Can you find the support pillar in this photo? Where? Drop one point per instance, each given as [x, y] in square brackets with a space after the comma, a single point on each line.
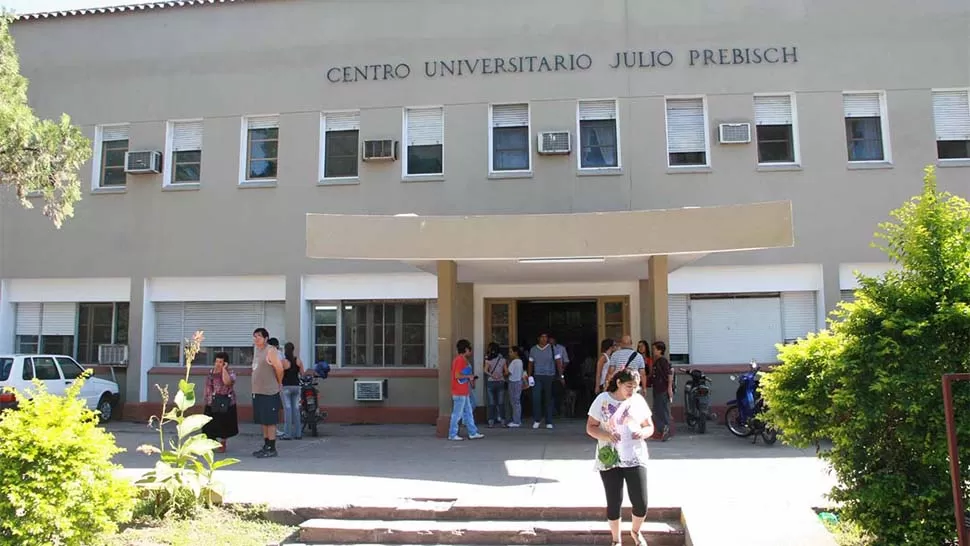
[447, 338]
[654, 322]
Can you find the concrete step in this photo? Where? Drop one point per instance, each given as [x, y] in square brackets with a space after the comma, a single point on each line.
[455, 511]
[481, 532]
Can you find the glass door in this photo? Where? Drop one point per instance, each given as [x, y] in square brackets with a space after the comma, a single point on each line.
[613, 315]
[500, 323]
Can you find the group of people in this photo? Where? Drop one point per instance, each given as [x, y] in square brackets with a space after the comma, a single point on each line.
[276, 387]
[619, 419]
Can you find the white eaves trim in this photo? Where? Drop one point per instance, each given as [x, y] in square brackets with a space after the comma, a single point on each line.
[106, 10]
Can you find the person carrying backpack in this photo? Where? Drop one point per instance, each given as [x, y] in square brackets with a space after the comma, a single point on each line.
[627, 358]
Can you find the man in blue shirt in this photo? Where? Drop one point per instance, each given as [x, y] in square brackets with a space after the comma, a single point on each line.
[545, 366]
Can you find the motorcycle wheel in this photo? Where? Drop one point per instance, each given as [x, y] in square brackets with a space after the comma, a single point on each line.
[769, 435]
[313, 429]
[731, 417]
[701, 426]
[688, 416]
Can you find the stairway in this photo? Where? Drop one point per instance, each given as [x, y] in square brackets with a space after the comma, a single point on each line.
[443, 522]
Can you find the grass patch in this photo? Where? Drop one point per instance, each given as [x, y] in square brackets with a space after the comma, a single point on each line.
[225, 526]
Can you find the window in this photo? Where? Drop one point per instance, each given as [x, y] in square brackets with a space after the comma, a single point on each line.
[775, 126]
[70, 369]
[510, 142]
[6, 364]
[687, 140]
[45, 327]
[951, 115]
[100, 324]
[110, 158]
[185, 160]
[372, 333]
[325, 333]
[45, 369]
[598, 139]
[424, 134]
[228, 327]
[262, 148]
[28, 372]
[864, 121]
[341, 132]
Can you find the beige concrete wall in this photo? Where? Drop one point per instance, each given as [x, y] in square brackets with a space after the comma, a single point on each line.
[167, 64]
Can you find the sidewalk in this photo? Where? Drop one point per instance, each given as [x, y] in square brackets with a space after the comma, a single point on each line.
[386, 463]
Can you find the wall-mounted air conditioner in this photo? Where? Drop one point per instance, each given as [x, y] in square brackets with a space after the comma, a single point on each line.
[370, 391]
[555, 142]
[143, 162]
[734, 133]
[380, 150]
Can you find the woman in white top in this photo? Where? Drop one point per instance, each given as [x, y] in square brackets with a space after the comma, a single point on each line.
[516, 373]
[620, 420]
[607, 347]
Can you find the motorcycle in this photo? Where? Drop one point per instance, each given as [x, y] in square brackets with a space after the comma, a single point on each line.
[310, 414]
[742, 414]
[697, 401]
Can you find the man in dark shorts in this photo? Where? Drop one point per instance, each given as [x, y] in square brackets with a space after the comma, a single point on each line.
[267, 375]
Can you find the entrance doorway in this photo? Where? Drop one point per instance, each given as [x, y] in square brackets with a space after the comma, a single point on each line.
[577, 323]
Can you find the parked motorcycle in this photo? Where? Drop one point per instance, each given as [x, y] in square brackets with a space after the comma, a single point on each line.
[310, 414]
[697, 401]
[742, 414]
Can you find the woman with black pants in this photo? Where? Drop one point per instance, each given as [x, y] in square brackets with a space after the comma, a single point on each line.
[620, 421]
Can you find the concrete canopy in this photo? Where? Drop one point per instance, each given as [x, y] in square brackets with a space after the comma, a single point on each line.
[621, 234]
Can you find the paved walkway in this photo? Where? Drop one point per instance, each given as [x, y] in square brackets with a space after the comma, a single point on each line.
[381, 463]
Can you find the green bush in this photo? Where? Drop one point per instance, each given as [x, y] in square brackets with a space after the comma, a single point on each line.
[872, 384]
[57, 483]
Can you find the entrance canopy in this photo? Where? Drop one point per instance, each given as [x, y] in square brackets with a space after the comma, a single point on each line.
[578, 238]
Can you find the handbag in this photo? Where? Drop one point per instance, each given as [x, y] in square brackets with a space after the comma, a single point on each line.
[221, 403]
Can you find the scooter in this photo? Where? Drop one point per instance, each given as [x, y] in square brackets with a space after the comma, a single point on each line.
[310, 414]
[697, 401]
[742, 414]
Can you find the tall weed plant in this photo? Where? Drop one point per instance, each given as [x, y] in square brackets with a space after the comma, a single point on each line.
[183, 479]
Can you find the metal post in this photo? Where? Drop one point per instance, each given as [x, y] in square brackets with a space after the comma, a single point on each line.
[951, 440]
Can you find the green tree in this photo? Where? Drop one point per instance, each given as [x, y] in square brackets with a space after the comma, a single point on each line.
[37, 157]
[872, 383]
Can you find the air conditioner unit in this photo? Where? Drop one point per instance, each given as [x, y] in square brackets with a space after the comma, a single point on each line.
[113, 355]
[734, 133]
[380, 150]
[143, 162]
[370, 391]
[554, 142]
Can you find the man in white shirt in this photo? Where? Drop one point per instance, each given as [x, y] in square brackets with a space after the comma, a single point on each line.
[627, 357]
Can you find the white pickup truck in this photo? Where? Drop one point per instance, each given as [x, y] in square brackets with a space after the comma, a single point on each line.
[56, 372]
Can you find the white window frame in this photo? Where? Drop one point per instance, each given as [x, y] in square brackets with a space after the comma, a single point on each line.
[955, 161]
[887, 156]
[339, 352]
[244, 153]
[579, 140]
[491, 148]
[405, 145]
[168, 160]
[796, 141]
[321, 177]
[707, 134]
[96, 159]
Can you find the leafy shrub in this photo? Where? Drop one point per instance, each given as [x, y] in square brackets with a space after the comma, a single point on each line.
[57, 483]
[183, 478]
[872, 384]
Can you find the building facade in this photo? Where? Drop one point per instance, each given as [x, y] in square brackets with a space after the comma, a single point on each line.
[736, 126]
